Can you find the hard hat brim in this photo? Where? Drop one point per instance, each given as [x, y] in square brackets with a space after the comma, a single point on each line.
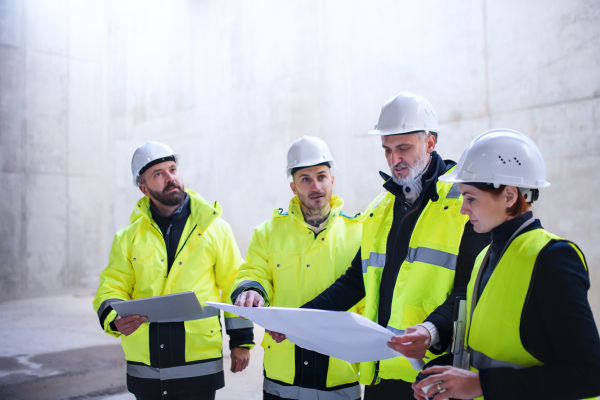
[308, 165]
[177, 157]
[378, 132]
[453, 178]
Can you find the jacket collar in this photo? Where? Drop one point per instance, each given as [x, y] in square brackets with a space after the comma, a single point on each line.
[203, 213]
[437, 167]
[295, 210]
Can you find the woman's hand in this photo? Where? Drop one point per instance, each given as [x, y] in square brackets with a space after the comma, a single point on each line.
[448, 382]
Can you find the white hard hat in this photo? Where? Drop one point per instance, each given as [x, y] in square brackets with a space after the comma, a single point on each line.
[150, 153]
[501, 157]
[306, 152]
[406, 113]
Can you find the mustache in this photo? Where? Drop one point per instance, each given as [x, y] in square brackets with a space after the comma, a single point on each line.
[400, 166]
[171, 185]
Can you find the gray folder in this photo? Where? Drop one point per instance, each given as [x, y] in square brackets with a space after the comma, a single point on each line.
[168, 308]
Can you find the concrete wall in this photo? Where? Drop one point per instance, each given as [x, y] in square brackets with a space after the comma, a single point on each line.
[230, 84]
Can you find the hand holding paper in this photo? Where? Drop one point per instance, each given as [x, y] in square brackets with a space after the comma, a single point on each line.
[344, 335]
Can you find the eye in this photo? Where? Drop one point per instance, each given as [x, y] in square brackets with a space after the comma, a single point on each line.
[470, 200]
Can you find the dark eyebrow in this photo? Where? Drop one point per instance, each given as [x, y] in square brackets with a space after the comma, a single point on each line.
[466, 192]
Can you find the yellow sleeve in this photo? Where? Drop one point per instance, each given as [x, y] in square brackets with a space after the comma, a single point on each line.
[255, 273]
[227, 265]
[116, 284]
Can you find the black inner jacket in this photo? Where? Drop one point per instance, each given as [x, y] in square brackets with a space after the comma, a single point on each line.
[172, 227]
[349, 289]
[557, 326]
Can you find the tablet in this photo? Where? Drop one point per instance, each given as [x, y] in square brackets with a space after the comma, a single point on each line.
[168, 308]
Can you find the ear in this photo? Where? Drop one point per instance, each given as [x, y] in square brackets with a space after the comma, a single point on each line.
[293, 187]
[144, 189]
[430, 143]
[511, 195]
[332, 180]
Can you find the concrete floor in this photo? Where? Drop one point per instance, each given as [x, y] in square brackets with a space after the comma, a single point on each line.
[54, 348]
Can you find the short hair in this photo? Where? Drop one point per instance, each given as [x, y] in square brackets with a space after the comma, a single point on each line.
[294, 170]
[517, 209]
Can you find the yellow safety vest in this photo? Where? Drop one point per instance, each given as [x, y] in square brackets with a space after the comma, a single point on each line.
[426, 276]
[493, 336]
[206, 262]
[292, 267]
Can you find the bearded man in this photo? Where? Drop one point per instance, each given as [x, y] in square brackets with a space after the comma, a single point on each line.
[417, 250]
[176, 242]
[292, 257]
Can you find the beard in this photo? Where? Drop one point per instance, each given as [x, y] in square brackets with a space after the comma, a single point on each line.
[415, 171]
[169, 199]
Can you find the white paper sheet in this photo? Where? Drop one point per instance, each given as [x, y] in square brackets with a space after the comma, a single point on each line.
[344, 335]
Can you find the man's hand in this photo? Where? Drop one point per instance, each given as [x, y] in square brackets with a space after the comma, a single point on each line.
[249, 298]
[448, 382]
[128, 325]
[277, 337]
[414, 343]
[240, 357]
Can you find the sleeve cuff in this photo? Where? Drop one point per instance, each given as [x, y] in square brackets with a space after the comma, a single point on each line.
[433, 332]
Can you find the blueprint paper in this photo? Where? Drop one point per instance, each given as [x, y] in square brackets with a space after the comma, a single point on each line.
[344, 335]
[178, 307]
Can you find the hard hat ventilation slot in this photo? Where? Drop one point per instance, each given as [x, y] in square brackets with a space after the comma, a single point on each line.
[502, 159]
[519, 162]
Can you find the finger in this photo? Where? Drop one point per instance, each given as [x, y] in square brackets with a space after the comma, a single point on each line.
[242, 299]
[438, 369]
[239, 299]
[435, 391]
[233, 363]
[130, 318]
[407, 338]
[434, 379]
[244, 364]
[258, 301]
[249, 300]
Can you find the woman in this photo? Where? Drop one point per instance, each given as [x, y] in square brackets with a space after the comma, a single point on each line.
[530, 332]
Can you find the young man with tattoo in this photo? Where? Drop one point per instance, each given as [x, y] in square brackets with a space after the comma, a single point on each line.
[292, 258]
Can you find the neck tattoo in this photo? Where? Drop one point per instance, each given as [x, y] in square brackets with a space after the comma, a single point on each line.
[316, 217]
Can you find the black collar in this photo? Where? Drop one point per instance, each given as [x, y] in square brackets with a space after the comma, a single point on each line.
[437, 167]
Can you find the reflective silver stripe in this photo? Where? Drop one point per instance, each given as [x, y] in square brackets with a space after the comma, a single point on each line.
[481, 361]
[431, 256]
[208, 312]
[297, 392]
[398, 332]
[238, 323]
[378, 200]
[454, 192]
[105, 305]
[375, 260]
[184, 371]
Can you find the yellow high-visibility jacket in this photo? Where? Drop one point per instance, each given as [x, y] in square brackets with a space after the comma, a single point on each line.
[290, 265]
[175, 356]
[426, 276]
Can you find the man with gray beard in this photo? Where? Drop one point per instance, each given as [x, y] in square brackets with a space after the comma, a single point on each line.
[417, 250]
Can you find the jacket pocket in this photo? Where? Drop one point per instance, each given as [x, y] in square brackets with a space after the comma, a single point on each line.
[203, 339]
[284, 266]
[279, 361]
[137, 345]
[142, 259]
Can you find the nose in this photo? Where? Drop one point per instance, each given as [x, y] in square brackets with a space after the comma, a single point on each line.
[316, 186]
[464, 208]
[396, 158]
